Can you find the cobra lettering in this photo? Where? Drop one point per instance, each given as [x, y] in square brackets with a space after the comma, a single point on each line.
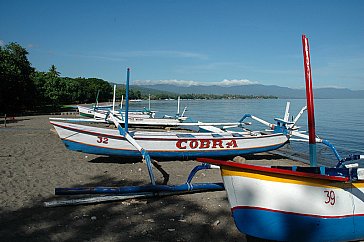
[205, 144]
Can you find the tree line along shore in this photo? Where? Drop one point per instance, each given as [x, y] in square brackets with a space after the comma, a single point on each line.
[24, 89]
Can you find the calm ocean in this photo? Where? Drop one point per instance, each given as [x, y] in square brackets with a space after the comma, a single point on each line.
[341, 121]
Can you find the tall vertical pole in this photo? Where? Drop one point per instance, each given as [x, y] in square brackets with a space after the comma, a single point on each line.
[178, 102]
[97, 98]
[113, 100]
[310, 105]
[127, 99]
[149, 104]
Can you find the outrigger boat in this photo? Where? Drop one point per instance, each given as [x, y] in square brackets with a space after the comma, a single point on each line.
[214, 142]
[99, 112]
[292, 203]
[172, 145]
[210, 141]
[295, 203]
[121, 193]
[136, 118]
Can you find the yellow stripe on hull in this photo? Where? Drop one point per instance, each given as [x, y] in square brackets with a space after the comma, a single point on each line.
[286, 178]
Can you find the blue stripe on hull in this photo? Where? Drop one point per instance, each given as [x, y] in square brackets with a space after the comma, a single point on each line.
[275, 225]
[161, 154]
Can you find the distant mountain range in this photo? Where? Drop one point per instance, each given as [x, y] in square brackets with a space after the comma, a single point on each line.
[256, 90]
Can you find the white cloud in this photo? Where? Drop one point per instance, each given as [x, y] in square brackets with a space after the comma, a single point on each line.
[236, 82]
[329, 86]
[185, 83]
[2, 43]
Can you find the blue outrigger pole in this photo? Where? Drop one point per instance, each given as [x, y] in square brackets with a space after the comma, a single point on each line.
[152, 189]
[124, 132]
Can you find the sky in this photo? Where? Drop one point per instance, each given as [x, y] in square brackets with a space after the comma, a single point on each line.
[192, 41]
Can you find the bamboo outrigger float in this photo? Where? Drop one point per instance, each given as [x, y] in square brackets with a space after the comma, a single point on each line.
[298, 203]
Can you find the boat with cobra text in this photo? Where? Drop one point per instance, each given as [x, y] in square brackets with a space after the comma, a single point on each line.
[168, 144]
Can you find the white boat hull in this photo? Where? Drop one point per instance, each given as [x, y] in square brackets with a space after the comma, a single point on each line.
[289, 206]
[101, 113]
[165, 144]
[135, 118]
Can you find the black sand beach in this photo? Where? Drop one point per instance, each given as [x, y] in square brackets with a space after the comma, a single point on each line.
[34, 161]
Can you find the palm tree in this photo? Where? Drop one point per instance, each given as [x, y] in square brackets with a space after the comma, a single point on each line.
[53, 71]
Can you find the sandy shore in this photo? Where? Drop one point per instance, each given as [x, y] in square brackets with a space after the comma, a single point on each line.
[34, 161]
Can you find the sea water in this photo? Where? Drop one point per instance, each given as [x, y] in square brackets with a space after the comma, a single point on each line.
[340, 121]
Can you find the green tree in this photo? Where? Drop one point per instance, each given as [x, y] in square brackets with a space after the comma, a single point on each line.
[16, 86]
[120, 91]
[55, 90]
[73, 90]
[93, 85]
[39, 80]
[53, 71]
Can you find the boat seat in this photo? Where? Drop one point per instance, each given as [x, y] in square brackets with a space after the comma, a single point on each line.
[185, 136]
[217, 135]
[322, 170]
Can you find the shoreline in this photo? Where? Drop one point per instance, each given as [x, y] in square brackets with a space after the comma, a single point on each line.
[35, 161]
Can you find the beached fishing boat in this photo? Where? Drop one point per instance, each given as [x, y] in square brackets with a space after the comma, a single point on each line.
[151, 190]
[135, 118]
[144, 117]
[174, 145]
[208, 141]
[169, 145]
[212, 141]
[100, 113]
[314, 203]
[295, 203]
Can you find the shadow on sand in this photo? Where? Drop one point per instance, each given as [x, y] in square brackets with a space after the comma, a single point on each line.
[132, 160]
[174, 218]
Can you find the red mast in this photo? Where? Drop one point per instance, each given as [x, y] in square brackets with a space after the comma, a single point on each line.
[310, 105]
